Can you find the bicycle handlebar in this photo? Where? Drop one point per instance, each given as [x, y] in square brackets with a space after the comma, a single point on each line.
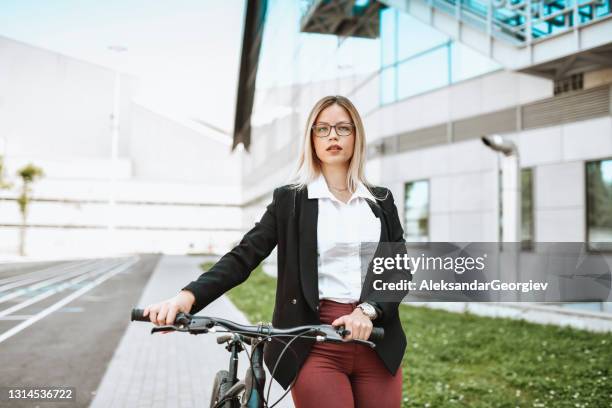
[203, 324]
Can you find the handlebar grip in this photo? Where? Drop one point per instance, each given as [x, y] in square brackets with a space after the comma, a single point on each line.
[137, 315]
[378, 333]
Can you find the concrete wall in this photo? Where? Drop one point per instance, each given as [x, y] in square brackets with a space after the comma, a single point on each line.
[487, 93]
[463, 183]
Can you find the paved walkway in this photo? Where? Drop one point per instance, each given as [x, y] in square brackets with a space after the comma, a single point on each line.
[174, 369]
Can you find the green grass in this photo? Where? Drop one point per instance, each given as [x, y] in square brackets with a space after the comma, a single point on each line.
[464, 360]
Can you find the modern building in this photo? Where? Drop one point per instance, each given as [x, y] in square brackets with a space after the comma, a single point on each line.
[120, 175]
[430, 78]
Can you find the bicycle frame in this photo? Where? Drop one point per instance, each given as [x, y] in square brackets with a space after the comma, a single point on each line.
[255, 378]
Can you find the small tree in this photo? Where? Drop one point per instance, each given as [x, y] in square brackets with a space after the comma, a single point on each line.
[28, 174]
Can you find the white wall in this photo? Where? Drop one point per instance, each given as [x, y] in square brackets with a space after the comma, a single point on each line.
[484, 94]
[55, 106]
[163, 149]
[462, 187]
[558, 154]
[176, 188]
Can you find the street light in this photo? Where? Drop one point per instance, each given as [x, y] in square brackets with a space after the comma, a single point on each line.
[114, 140]
[3, 150]
[511, 186]
[509, 268]
[497, 143]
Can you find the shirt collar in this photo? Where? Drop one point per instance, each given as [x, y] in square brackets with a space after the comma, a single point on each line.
[318, 189]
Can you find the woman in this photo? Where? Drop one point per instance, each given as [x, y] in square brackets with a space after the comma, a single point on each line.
[318, 222]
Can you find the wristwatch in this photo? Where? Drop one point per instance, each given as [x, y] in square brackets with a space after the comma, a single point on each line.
[368, 310]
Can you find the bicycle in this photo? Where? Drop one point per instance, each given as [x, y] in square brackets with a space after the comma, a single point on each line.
[228, 390]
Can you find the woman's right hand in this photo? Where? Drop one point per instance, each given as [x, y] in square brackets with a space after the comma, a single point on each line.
[164, 313]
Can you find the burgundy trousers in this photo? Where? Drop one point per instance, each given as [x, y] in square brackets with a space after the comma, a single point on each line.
[345, 375]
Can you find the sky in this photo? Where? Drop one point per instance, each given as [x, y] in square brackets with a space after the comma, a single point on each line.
[185, 52]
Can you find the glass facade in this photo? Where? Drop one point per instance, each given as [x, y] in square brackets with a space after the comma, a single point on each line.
[527, 209]
[289, 56]
[416, 58]
[527, 229]
[416, 211]
[521, 20]
[599, 204]
[409, 56]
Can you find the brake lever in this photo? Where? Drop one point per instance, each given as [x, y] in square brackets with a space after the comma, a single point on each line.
[186, 324]
[342, 331]
[166, 328]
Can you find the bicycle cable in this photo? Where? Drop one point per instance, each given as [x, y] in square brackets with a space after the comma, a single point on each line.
[250, 357]
[287, 346]
[276, 364]
[283, 351]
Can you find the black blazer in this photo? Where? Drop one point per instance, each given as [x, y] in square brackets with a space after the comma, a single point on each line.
[290, 222]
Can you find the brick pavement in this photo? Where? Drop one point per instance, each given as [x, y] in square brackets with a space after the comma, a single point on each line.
[175, 369]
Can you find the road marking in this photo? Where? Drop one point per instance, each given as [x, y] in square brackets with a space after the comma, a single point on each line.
[16, 317]
[50, 270]
[50, 281]
[49, 273]
[23, 325]
[55, 289]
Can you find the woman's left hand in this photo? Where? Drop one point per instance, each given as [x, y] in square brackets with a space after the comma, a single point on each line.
[357, 322]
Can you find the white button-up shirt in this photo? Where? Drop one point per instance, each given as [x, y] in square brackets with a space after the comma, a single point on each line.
[341, 228]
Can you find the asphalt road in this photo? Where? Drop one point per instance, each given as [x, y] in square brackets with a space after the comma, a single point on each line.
[68, 336]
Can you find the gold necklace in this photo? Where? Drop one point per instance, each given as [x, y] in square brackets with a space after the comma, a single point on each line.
[337, 189]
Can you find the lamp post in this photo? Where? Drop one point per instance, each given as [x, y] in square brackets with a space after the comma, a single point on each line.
[3, 151]
[511, 186]
[114, 151]
[509, 259]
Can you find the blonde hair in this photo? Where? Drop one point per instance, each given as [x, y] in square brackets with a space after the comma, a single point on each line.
[308, 166]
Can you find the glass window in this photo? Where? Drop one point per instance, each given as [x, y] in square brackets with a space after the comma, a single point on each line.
[423, 73]
[414, 37]
[416, 211]
[466, 63]
[388, 18]
[424, 58]
[599, 204]
[527, 208]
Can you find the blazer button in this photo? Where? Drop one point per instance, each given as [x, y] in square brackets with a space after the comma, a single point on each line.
[293, 301]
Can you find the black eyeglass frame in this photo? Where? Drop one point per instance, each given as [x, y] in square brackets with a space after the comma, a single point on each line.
[351, 125]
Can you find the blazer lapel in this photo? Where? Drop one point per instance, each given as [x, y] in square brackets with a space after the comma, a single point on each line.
[382, 216]
[307, 237]
[384, 237]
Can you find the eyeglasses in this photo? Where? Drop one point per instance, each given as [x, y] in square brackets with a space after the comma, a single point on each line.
[323, 129]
